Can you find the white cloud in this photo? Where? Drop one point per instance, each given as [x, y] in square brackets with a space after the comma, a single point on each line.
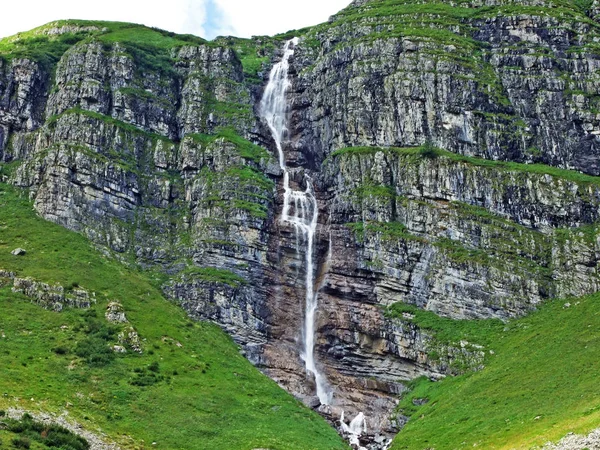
[268, 17]
[205, 18]
[183, 16]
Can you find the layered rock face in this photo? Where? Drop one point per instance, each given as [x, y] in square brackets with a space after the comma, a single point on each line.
[418, 123]
[503, 80]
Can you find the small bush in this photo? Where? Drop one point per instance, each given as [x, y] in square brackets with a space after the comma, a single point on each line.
[428, 151]
[53, 436]
[148, 376]
[94, 348]
[146, 379]
[95, 351]
[21, 442]
[60, 350]
[60, 437]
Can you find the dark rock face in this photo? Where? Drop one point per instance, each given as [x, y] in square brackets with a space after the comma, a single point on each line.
[173, 169]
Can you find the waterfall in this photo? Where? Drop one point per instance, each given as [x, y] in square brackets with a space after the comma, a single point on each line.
[354, 430]
[300, 208]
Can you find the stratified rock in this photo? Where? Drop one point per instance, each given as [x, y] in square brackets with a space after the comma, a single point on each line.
[114, 313]
[53, 297]
[163, 166]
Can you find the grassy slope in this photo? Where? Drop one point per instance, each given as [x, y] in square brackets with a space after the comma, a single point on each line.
[151, 47]
[540, 383]
[215, 400]
[427, 151]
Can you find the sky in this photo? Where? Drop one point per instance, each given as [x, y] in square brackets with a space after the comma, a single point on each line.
[205, 18]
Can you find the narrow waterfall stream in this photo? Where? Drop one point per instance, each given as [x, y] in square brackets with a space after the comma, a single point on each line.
[300, 208]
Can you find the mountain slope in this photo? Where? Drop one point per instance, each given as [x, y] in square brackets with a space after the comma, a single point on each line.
[452, 150]
[540, 382]
[190, 388]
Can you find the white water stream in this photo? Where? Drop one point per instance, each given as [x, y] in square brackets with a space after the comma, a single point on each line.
[300, 208]
[355, 429]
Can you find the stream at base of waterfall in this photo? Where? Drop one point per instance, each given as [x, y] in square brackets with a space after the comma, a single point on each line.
[300, 210]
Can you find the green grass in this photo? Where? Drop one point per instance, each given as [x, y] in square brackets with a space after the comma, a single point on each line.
[149, 47]
[425, 152]
[201, 395]
[540, 383]
[253, 54]
[482, 332]
[247, 149]
[45, 50]
[215, 275]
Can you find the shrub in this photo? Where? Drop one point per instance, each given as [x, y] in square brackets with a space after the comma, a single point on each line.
[53, 436]
[21, 442]
[95, 351]
[94, 348]
[60, 437]
[428, 151]
[146, 379]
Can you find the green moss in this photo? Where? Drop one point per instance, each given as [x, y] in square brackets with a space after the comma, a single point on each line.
[505, 166]
[215, 275]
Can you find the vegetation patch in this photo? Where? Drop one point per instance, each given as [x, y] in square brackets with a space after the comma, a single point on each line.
[215, 275]
[94, 348]
[44, 50]
[229, 405]
[28, 431]
[427, 152]
[538, 384]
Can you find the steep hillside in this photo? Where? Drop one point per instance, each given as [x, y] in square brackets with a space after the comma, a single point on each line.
[177, 383]
[540, 381]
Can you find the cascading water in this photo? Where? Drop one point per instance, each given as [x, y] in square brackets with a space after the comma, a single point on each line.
[354, 430]
[300, 208]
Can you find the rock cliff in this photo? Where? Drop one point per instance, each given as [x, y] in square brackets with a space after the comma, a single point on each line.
[454, 151]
